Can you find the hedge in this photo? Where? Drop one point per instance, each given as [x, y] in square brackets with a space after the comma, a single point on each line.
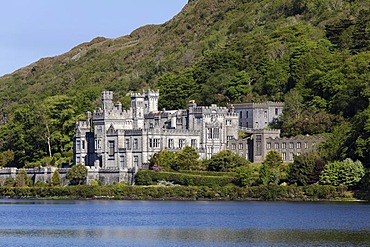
[148, 177]
[311, 192]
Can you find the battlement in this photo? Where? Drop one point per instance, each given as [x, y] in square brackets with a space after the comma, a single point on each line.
[107, 95]
[145, 93]
[299, 138]
[133, 132]
[115, 112]
[83, 124]
[265, 104]
[182, 131]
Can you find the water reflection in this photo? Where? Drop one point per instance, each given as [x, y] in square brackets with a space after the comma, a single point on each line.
[214, 237]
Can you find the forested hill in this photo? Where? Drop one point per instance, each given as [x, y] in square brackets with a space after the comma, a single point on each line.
[312, 54]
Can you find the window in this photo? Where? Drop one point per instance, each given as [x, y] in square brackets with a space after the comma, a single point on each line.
[257, 125]
[291, 155]
[258, 145]
[110, 148]
[291, 145]
[276, 111]
[136, 160]
[283, 145]
[122, 161]
[228, 122]
[181, 143]
[216, 133]
[298, 145]
[194, 143]
[78, 145]
[209, 131]
[276, 145]
[298, 154]
[170, 143]
[229, 137]
[233, 146]
[240, 146]
[151, 125]
[306, 145]
[127, 143]
[83, 144]
[78, 160]
[136, 143]
[241, 114]
[247, 113]
[268, 146]
[265, 114]
[283, 155]
[155, 142]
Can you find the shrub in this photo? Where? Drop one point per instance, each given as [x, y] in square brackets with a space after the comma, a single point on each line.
[77, 174]
[55, 179]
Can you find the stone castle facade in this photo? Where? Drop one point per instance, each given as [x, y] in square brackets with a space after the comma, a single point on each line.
[114, 138]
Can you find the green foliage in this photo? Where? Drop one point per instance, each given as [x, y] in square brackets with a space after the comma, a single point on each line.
[243, 175]
[187, 159]
[273, 159]
[94, 183]
[22, 179]
[147, 177]
[225, 161]
[55, 179]
[271, 192]
[6, 158]
[270, 171]
[347, 172]
[77, 174]
[306, 169]
[9, 182]
[163, 160]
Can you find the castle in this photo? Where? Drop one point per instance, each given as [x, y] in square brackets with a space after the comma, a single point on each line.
[114, 138]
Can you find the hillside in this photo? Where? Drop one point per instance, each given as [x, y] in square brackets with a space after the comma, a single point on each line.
[312, 54]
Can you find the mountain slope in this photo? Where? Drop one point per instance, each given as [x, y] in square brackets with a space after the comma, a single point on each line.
[213, 51]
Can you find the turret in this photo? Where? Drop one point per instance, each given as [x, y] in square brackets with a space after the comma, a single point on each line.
[107, 100]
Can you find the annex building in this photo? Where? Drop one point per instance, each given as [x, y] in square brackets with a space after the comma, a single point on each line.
[118, 139]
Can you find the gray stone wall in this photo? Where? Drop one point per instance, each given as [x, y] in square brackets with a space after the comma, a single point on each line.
[44, 174]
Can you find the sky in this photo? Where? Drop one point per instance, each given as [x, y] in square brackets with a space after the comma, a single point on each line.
[30, 30]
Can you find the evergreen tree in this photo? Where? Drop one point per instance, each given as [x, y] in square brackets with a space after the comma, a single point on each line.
[55, 179]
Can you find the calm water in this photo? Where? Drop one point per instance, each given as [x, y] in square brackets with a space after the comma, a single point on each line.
[153, 223]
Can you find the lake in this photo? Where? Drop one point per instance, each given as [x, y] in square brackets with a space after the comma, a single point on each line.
[182, 223]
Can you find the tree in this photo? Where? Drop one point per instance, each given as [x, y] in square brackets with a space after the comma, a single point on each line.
[265, 175]
[22, 179]
[306, 169]
[225, 161]
[273, 159]
[187, 159]
[77, 174]
[164, 159]
[243, 175]
[347, 172]
[270, 169]
[55, 179]
[6, 157]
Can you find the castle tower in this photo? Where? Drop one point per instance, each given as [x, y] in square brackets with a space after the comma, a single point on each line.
[107, 100]
[151, 101]
[137, 106]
